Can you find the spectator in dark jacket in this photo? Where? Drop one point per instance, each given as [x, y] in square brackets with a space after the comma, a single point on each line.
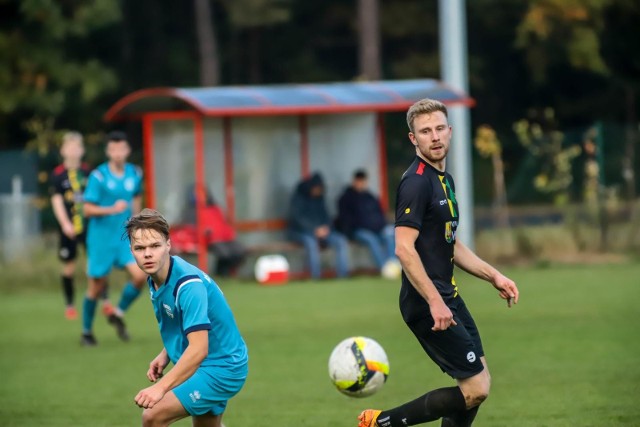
[361, 218]
[310, 225]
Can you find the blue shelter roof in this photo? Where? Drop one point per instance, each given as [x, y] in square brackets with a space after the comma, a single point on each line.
[287, 99]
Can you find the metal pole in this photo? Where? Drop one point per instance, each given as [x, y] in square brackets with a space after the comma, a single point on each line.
[453, 67]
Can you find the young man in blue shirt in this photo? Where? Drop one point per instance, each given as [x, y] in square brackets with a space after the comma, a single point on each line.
[111, 197]
[198, 331]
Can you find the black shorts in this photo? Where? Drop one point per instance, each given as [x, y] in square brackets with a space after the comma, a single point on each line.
[68, 250]
[457, 350]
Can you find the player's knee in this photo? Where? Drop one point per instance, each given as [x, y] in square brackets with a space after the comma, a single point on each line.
[95, 288]
[147, 418]
[478, 391]
[151, 418]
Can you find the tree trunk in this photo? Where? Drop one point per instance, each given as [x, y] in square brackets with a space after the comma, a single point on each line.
[253, 47]
[207, 44]
[500, 191]
[369, 40]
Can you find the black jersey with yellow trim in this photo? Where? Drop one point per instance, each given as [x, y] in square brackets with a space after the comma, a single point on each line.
[70, 184]
[426, 201]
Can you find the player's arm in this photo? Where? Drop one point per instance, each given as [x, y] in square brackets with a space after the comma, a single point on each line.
[57, 203]
[91, 209]
[94, 193]
[467, 260]
[417, 275]
[191, 359]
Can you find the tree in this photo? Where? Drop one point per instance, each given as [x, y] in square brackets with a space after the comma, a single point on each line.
[542, 138]
[369, 58]
[488, 145]
[623, 59]
[560, 30]
[47, 71]
[207, 44]
[252, 16]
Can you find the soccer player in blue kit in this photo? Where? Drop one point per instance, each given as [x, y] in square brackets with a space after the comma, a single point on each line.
[427, 217]
[111, 197]
[198, 331]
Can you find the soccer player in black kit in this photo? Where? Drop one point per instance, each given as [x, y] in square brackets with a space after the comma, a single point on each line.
[67, 183]
[427, 218]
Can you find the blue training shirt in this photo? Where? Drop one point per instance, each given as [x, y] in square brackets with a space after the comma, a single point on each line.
[104, 189]
[191, 301]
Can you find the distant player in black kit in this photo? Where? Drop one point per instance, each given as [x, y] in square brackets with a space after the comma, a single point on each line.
[427, 247]
[67, 183]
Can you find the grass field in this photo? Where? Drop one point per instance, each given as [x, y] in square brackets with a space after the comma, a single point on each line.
[567, 355]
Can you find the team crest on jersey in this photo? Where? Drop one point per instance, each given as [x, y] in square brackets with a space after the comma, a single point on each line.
[450, 231]
[129, 184]
[167, 309]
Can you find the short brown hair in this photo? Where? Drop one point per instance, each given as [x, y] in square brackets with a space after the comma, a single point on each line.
[147, 219]
[425, 106]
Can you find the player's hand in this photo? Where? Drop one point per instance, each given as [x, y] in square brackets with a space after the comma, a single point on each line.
[69, 230]
[156, 368]
[148, 397]
[322, 231]
[506, 288]
[442, 316]
[120, 206]
[154, 373]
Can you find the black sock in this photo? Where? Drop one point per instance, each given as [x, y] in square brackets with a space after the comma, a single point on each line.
[430, 407]
[104, 295]
[67, 288]
[462, 419]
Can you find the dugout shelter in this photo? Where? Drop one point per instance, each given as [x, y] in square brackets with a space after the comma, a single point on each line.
[250, 145]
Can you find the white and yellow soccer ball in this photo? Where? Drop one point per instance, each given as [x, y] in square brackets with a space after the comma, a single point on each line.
[391, 270]
[358, 366]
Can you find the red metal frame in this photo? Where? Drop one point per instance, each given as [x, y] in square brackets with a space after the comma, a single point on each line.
[195, 111]
[274, 110]
[229, 185]
[148, 148]
[382, 159]
[273, 224]
[114, 113]
[149, 166]
[200, 190]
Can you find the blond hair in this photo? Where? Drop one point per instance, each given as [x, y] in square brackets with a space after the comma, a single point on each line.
[424, 106]
[71, 136]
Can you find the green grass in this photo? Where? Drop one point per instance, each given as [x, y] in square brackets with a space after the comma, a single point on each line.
[567, 355]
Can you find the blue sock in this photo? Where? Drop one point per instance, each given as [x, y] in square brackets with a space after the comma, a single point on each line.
[88, 313]
[129, 295]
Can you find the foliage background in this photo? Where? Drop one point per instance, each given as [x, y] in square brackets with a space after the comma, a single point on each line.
[63, 63]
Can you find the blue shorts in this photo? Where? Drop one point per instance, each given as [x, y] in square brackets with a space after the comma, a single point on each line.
[208, 390]
[102, 258]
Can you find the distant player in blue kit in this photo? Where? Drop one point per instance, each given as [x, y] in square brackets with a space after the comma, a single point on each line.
[198, 331]
[111, 197]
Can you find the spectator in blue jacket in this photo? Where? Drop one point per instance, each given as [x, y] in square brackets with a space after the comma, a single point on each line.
[361, 218]
[310, 225]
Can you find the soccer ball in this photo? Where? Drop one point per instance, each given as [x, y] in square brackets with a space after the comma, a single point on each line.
[358, 366]
[391, 270]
